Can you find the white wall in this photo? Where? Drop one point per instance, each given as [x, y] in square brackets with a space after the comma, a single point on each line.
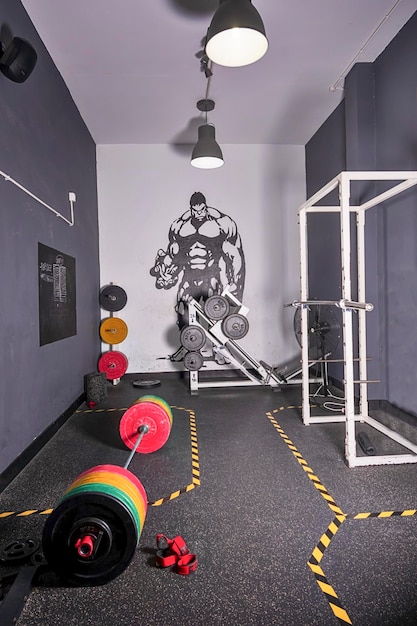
[142, 189]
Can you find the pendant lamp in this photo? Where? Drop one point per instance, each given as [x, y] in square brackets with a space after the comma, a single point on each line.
[236, 35]
[207, 153]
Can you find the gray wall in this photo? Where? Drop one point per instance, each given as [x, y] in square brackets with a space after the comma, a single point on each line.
[46, 147]
[377, 130]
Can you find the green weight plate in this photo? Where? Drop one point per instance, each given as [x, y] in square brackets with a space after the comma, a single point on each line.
[119, 470]
[126, 490]
[113, 492]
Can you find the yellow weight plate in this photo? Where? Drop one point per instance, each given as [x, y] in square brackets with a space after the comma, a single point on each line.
[122, 483]
[115, 480]
[113, 330]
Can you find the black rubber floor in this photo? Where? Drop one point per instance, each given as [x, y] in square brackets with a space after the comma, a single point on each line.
[284, 532]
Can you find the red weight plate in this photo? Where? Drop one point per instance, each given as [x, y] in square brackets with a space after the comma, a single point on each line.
[120, 482]
[123, 472]
[113, 364]
[154, 417]
[162, 403]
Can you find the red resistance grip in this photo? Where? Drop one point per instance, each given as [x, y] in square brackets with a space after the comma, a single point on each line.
[187, 564]
[175, 552]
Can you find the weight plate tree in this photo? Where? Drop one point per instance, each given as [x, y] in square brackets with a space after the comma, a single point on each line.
[113, 331]
[91, 536]
[112, 298]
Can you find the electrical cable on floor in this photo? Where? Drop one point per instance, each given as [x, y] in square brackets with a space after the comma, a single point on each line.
[338, 407]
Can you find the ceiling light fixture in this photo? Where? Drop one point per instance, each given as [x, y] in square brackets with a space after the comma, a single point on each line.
[236, 35]
[207, 153]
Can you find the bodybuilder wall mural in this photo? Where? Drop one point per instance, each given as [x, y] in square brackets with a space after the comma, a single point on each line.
[204, 255]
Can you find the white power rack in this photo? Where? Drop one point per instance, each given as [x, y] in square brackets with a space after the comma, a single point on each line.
[354, 330]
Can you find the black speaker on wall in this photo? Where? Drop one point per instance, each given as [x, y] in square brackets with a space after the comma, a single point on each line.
[18, 60]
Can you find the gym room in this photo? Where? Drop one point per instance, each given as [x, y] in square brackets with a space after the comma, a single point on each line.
[208, 409]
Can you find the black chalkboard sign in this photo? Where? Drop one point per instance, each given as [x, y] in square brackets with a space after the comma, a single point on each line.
[57, 303]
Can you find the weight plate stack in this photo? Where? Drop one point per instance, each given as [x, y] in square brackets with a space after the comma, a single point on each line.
[152, 412]
[91, 536]
[18, 551]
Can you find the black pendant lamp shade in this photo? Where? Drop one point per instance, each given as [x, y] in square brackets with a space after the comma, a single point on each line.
[236, 35]
[206, 153]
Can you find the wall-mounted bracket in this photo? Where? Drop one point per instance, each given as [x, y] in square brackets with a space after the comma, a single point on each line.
[71, 197]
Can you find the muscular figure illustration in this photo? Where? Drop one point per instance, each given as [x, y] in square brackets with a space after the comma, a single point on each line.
[204, 255]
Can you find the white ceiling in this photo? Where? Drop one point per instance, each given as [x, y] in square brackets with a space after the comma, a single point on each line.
[133, 66]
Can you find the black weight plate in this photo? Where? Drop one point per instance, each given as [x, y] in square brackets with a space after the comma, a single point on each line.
[235, 326]
[113, 554]
[193, 361]
[192, 338]
[38, 558]
[18, 551]
[146, 383]
[112, 298]
[216, 308]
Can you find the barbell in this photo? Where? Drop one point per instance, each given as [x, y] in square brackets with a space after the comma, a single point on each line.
[92, 534]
